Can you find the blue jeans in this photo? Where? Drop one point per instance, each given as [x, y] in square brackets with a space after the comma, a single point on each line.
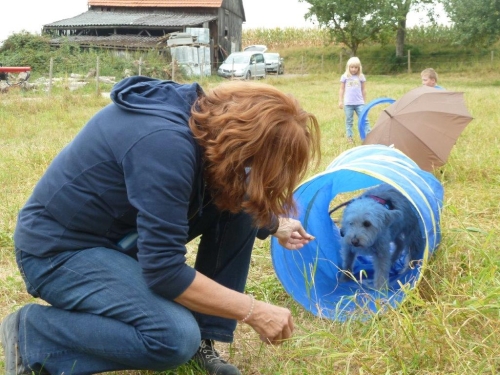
[102, 316]
[349, 118]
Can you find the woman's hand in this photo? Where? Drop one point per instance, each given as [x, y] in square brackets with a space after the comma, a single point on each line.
[291, 234]
[274, 324]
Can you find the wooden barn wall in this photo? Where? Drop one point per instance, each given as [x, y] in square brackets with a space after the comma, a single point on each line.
[230, 25]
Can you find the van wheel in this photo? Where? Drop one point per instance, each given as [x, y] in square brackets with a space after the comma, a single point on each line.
[249, 75]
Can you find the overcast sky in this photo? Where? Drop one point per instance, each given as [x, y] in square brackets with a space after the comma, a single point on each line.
[31, 15]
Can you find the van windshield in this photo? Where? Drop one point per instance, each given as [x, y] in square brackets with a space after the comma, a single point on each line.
[237, 59]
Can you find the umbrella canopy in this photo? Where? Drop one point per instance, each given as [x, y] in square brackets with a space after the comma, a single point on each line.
[424, 124]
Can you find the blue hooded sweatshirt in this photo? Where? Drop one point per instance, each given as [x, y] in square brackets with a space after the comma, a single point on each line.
[135, 167]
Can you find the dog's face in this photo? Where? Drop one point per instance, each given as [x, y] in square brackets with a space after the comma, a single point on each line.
[364, 221]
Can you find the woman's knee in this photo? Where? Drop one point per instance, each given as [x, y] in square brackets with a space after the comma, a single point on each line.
[175, 347]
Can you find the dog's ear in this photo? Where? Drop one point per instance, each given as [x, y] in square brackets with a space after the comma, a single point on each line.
[396, 215]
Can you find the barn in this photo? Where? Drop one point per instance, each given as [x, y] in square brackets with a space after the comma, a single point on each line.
[131, 25]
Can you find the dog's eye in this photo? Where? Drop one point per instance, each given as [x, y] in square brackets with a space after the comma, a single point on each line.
[367, 224]
[341, 233]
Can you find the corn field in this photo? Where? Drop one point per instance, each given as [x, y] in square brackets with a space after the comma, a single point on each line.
[310, 37]
[286, 37]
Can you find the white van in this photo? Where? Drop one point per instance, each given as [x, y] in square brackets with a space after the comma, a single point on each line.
[243, 65]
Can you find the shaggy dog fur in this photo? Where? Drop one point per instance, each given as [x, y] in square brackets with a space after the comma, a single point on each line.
[370, 223]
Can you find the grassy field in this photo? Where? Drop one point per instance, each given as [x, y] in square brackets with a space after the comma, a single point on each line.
[449, 325]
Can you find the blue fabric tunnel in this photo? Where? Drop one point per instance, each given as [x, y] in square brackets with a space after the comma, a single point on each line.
[363, 118]
[310, 275]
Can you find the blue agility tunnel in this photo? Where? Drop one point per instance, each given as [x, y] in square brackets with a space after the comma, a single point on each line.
[363, 118]
[311, 275]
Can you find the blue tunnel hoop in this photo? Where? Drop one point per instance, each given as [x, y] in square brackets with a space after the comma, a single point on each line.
[311, 275]
[363, 118]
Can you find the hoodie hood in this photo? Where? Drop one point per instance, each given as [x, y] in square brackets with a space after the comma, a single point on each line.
[165, 99]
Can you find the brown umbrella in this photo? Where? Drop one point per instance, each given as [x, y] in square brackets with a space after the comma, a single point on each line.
[424, 124]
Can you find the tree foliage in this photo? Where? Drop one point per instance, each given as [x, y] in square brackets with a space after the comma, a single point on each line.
[355, 22]
[351, 22]
[476, 22]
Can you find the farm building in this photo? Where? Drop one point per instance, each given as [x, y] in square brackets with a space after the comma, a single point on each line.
[130, 25]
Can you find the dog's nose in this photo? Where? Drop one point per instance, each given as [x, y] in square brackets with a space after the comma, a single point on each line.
[355, 242]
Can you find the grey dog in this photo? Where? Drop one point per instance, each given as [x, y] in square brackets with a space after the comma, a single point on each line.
[370, 223]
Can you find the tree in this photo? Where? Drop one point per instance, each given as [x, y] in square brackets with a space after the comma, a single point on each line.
[476, 22]
[351, 22]
[401, 8]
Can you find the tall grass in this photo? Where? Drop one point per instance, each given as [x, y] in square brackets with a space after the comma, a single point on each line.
[449, 324]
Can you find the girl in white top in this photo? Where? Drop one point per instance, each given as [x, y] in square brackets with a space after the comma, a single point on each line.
[352, 94]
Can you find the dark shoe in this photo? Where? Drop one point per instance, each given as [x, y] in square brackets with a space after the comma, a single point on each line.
[208, 359]
[9, 334]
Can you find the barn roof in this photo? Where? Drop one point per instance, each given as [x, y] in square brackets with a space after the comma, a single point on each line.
[158, 3]
[94, 18]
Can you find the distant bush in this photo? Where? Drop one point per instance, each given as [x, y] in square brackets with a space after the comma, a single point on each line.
[26, 49]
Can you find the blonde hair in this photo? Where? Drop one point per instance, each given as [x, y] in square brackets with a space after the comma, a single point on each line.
[244, 124]
[430, 73]
[353, 61]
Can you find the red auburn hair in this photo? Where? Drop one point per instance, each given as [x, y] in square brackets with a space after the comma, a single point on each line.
[243, 124]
